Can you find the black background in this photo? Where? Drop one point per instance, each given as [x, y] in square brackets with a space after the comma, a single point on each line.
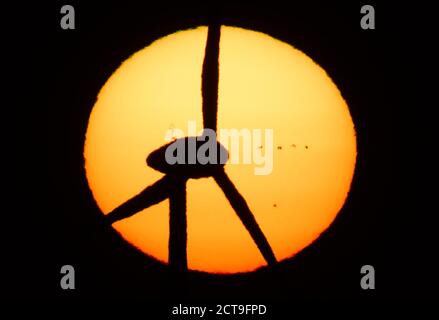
[52, 219]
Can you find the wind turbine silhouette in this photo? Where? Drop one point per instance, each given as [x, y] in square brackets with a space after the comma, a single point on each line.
[173, 184]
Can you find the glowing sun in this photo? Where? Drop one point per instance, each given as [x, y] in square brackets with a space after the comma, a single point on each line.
[263, 83]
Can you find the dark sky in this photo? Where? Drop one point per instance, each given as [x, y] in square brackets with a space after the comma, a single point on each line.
[54, 220]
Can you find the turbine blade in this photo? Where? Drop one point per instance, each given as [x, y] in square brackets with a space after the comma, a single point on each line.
[152, 194]
[241, 208]
[210, 77]
[177, 226]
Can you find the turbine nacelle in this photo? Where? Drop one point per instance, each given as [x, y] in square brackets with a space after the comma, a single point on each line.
[189, 157]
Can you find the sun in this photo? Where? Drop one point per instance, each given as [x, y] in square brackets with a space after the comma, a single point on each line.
[264, 84]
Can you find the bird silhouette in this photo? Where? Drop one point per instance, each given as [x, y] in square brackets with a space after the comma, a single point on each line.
[173, 185]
